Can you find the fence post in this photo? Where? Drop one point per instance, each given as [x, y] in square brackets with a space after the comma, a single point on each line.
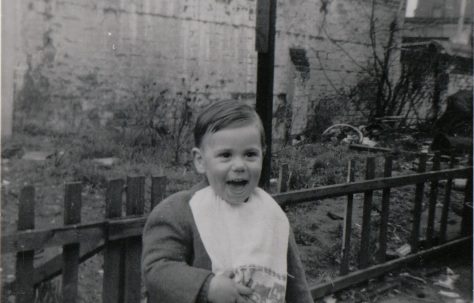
[283, 178]
[385, 211]
[415, 233]
[466, 223]
[346, 237]
[133, 246]
[364, 254]
[158, 190]
[113, 280]
[430, 229]
[446, 204]
[71, 252]
[25, 292]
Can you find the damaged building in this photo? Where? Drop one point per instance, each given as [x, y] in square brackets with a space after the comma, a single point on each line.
[438, 38]
[69, 64]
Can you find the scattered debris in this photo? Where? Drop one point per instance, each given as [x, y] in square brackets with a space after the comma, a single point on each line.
[450, 272]
[343, 133]
[333, 216]
[403, 250]
[459, 184]
[5, 182]
[408, 275]
[425, 148]
[350, 139]
[448, 283]
[298, 139]
[369, 142]
[330, 299]
[106, 162]
[449, 294]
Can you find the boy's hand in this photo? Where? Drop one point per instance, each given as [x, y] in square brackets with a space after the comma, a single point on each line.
[223, 290]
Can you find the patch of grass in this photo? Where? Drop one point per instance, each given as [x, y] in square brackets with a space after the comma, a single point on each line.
[157, 118]
[317, 164]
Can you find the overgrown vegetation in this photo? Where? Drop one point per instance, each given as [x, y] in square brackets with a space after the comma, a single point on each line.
[156, 119]
[313, 165]
[395, 81]
[322, 115]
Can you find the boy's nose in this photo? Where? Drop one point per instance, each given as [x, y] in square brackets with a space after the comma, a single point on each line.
[238, 164]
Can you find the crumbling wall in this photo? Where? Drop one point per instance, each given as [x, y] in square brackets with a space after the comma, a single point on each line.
[78, 60]
[334, 38]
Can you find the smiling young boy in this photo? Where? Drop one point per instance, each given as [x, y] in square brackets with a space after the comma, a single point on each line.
[225, 240]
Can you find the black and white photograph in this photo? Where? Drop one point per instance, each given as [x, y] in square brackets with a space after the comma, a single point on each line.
[236, 151]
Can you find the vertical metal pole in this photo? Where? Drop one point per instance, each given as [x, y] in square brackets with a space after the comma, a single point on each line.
[265, 46]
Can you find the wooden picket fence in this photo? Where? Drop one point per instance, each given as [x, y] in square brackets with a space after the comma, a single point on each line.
[119, 234]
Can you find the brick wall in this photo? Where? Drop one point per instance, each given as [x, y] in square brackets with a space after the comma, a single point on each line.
[77, 60]
[335, 38]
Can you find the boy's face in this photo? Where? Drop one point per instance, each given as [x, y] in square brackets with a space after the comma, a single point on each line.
[231, 158]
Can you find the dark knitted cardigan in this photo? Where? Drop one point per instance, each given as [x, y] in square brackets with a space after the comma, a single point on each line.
[175, 265]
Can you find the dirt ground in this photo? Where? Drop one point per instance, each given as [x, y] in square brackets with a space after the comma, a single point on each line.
[447, 279]
[317, 226]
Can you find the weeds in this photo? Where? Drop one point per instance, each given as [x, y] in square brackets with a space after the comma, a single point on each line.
[157, 119]
[48, 292]
[322, 116]
[314, 165]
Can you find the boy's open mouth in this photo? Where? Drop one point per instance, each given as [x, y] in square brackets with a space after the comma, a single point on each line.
[237, 182]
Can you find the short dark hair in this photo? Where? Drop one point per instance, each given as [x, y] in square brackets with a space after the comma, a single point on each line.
[223, 114]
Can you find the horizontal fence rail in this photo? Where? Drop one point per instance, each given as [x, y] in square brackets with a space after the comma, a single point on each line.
[338, 190]
[362, 275]
[78, 233]
[122, 228]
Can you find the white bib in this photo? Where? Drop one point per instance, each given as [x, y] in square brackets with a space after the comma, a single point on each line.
[250, 239]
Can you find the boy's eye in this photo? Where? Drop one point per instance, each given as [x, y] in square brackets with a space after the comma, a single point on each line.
[251, 154]
[224, 155]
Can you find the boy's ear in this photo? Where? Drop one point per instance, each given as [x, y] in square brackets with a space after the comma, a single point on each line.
[198, 160]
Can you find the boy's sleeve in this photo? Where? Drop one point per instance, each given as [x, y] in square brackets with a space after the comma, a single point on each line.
[167, 255]
[297, 290]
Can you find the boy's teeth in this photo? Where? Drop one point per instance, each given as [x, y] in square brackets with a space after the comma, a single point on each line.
[237, 181]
